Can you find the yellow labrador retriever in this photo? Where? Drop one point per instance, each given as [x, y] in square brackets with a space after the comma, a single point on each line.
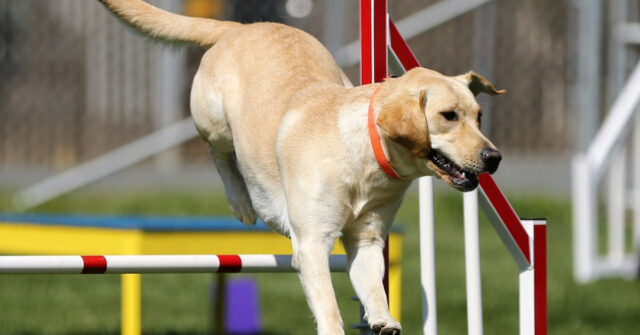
[290, 137]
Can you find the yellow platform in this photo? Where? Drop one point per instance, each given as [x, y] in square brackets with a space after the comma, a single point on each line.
[27, 234]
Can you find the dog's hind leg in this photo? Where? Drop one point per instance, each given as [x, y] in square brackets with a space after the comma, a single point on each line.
[207, 109]
[314, 230]
[312, 260]
[234, 186]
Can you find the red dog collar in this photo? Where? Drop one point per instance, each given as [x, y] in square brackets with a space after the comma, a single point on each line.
[376, 144]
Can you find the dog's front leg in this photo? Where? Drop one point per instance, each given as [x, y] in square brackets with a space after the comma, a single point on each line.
[312, 260]
[365, 264]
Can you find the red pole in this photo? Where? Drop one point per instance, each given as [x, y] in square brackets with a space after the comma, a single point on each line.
[540, 277]
[366, 42]
[374, 66]
[373, 41]
[380, 40]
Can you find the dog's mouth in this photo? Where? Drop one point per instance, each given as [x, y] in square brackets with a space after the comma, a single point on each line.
[454, 175]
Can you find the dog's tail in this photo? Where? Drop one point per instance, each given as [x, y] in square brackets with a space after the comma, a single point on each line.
[158, 23]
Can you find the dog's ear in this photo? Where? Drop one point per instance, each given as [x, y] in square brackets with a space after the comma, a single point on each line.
[403, 121]
[478, 84]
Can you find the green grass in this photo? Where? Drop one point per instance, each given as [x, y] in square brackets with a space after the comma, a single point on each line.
[179, 304]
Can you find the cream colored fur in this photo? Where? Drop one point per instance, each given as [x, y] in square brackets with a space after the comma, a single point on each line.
[288, 134]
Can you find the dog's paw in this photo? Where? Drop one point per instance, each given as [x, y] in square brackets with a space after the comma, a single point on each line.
[389, 327]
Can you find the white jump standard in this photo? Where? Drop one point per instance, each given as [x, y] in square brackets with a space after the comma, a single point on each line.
[525, 239]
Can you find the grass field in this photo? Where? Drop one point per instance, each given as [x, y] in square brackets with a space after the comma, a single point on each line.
[179, 304]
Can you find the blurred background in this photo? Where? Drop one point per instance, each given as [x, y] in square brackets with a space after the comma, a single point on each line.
[77, 84]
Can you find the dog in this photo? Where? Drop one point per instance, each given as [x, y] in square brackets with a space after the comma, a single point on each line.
[317, 159]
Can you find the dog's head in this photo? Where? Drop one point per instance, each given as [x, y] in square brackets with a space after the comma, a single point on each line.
[437, 118]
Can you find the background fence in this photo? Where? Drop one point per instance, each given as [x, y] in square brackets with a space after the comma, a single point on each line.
[75, 82]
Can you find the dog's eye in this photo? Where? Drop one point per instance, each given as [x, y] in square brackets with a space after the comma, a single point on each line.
[450, 115]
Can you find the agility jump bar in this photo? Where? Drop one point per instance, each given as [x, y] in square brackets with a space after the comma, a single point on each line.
[120, 264]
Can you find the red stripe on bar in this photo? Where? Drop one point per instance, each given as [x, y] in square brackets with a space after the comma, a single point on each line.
[94, 264]
[506, 213]
[230, 263]
[379, 40]
[366, 43]
[401, 48]
[540, 277]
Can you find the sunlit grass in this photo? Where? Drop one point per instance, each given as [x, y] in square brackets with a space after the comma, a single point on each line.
[179, 304]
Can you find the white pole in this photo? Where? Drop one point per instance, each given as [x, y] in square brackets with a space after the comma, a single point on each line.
[636, 187]
[427, 257]
[472, 263]
[616, 207]
[584, 214]
[526, 281]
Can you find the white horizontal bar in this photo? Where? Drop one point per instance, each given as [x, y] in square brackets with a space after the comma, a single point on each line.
[282, 263]
[40, 264]
[162, 263]
[154, 264]
[626, 269]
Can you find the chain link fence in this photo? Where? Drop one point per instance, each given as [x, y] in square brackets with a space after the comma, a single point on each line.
[75, 82]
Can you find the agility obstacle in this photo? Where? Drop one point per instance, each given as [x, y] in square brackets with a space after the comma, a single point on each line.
[131, 266]
[608, 150]
[126, 264]
[525, 239]
[169, 244]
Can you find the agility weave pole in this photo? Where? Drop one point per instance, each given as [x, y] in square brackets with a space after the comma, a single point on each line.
[525, 239]
[121, 264]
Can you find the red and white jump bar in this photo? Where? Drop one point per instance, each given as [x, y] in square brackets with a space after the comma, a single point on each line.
[154, 264]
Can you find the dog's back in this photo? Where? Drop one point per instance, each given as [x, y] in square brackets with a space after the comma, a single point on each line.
[247, 83]
[252, 74]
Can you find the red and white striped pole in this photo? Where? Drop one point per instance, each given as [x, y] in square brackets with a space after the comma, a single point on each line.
[119, 264]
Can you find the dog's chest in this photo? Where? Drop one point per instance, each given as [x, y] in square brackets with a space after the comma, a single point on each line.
[376, 198]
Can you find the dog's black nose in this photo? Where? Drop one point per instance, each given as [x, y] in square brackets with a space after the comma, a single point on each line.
[491, 159]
